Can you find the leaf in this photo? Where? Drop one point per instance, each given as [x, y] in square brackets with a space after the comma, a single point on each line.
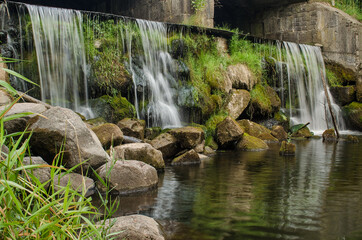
[17, 115]
[19, 76]
[8, 87]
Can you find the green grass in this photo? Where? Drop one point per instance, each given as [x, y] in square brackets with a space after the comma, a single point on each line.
[351, 7]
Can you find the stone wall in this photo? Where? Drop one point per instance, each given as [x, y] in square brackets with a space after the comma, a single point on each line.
[315, 23]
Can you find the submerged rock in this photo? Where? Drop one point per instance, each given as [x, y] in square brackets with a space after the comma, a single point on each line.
[167, 144]
[329, 135]
[352, 139]
[127, 176]
[63, 128]
[228, 132]
[287, 148]
[250, 143]
[190, 157]
[133, 227]
[132, 127]
[81, 184]
[143, 152]
[188, 137]
[109, 135]
[237, 102]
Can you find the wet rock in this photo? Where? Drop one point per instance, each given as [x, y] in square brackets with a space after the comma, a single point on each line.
[210, 142]
[241, 77]
[134, 227]
[343, 94]
[143, 152]
[19, 124]
[178, 48]
[83, 185]
[353, 113]
[209, 151]
[329, 135]
[182, 70]
[127, 176]
[279, 133]
[167, 144]
[287, 148]
[250, 143]
[64, 128]
[96, 122]
[151, 133]
[128, 139]
[359, 89]
[41, 173]
[132, 127]
[5, 98]
[109, 135]
[237, 102]
[352, 139]
[188, 137]
[257, 130]
[190, 157]
[228, 132]
[200, 147]
[302, 133]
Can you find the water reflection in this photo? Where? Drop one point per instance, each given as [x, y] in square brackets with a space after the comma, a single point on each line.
[261, 195]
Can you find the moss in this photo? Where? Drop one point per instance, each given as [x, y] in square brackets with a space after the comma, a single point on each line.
[250, 143]
[213, 121]
[210, 142]
[353, 113]
[121, 108]
[264, 101]
[340, 75]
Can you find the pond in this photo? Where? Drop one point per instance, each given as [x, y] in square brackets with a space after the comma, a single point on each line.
[316, 194]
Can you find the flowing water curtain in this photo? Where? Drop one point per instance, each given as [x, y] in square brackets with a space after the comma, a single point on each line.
[58, 39]
[307, 100]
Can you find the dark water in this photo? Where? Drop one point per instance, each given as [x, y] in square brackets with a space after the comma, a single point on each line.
[260, 195]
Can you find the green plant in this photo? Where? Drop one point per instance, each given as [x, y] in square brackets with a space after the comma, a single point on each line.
[198, 5]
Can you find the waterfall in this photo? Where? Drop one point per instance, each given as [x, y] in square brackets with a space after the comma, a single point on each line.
[59, 44]
[306, 96]
[156, 80]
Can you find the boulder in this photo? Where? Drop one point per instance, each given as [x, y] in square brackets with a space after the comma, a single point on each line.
[250, 143]
[128, 139]
[151, 133]
[108, 134]
[19, 124]
[128, 176]
[343, 94]
[210, 142]
[81, 184]
[209, 151]
[42, 173]
[359, 89]
[188, 137]
[143, 152]
[133, 227]
[287, 149]
[279, 133]
[167, 144]
[329, 135]
[352, 139]
[132, 127]
[228, 132]
[3, 75]
[190, 157]
[264, 101]
[200, 147]
[63, 129]
[237, 102]
[353, 113]
[302, 133]
[5, 98]
[257, 130]
[241, 77]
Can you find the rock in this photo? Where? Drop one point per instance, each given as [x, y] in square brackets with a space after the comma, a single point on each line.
[241, 77]
[63, 127]
[167, 144]
[109, 135]
[3, 75]
[128, 139]
[96, 122]
[209, 151]
[5, 98]
[352, 139]
[329, 135]
[132, 127]
[359, 89]
[81, 184]
[19, 124]
[151, 133]
[133, 227]
[228, 132]
[353, 113]
[210, 142]
[343, 94]
[4, 152]
[256, 130]
[237, 102]
[143, 152]
[41, 173]
[250, 143]
[200, 147]
[188, 137]
[303, 133]
[279, 133]
[287, 149]
[203, 157]
[127, 176]
[190, 157]
[264, 101]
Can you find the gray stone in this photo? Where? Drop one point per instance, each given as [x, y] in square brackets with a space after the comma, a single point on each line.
[228, 132]
[190, 157]
[188, 137]
[167, 144]
[62, 127]
[237, 102]
[127, 176]
[279, 133]
[81, 184]
[5, 98]
[343, 95]
[132, 127]
[133, 227]
[143, 152]
[108, 134]
[42, 173]
[241, 77]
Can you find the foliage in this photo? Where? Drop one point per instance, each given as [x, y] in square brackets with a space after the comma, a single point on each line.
[213, 121]
[351, 7]
[198, 5]
[333, 80]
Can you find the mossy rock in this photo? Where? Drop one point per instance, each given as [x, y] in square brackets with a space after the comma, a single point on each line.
[302, 133]
[353, 113]
[250, 143]
[108, 134]
[343, 75]
[120, 108]
[329, 135]
[264, 102]
[210, 142]
[343, 94]
[287, 149]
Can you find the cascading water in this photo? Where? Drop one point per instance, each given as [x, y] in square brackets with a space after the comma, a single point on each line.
[58, 39]
[305, 69]
[156, 78]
